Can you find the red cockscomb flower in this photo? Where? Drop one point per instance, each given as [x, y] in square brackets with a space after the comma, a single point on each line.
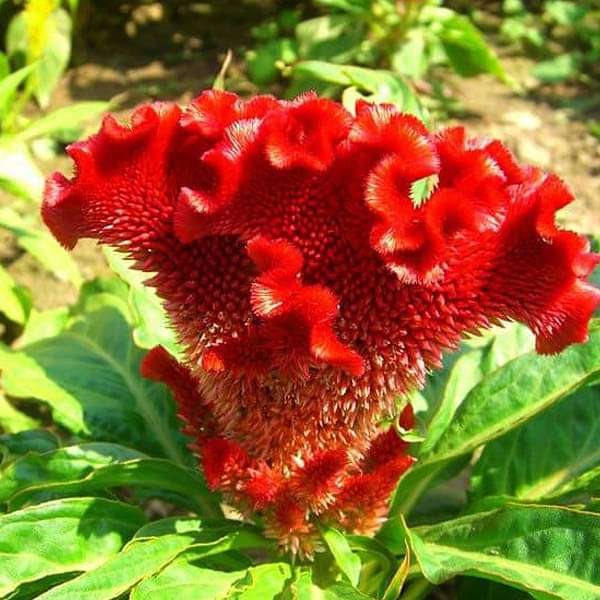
[307, 286]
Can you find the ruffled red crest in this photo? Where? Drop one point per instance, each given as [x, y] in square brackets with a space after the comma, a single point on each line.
[307, 286]
[199, 214]
[296, 328]
[103, 184]
[211, 113]
[413, 241]
[565, 302]
[305, 133]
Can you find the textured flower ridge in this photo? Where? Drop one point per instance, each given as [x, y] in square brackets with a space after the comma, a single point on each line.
[308, 286]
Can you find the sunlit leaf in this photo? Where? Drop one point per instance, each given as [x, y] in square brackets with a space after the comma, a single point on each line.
[15, 301]
[98, 466]
[146, 556]
[89, 375]
[13, 420]
[63, 123]
[347, 561]
[502, 401]
[152, 324]
[334, 38]
[42, 33]
[19, 175]
[9, 84]
[524, 465]
[384, 86]
[523, 546]
[65, 536]
[464, 45]
[42, 246]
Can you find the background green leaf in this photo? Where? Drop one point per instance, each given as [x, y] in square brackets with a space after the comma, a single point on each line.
[33, 440]
[47, 41]
[9, 84]
[384, 86]
[464, 45]
[19, 175]
[15, 301]
[42, 246]
[182, 579]
[64, 123]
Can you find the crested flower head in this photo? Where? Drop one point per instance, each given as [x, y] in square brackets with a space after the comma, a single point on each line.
[309, 285]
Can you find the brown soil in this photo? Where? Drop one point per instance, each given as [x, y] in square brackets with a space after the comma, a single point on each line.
[537, 126]
[121, 60]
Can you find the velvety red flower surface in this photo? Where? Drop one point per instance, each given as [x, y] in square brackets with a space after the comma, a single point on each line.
[308, 285]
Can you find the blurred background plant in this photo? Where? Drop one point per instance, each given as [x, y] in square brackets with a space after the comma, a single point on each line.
[565, 35]
[405, 41]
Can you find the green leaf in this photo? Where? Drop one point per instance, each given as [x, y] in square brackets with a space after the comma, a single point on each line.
[262, 61]
[182, 579]
[333, 38]
[145, 556]
[470, 588]
[338, 545]
[411, 59]
[54, 56]
[522, 546]
[15, 301]
[566, 13]
[98, 466]
[384, 86]
[8, 89]
[43, 324]
[19, 175]
[505, 399]
[152, 323]
[64, 536]
[557, 69]
[545, 470]
[64, 123]
[22, 442]
[125, 570]
[303, 588]
[509, 396]
[464, 45]
[90, 377]
[17, 40]
[42, 246]
[4, 62]
[13, 420]
[394, 588]
[248, 536]
[261, 582]
[487, 353]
